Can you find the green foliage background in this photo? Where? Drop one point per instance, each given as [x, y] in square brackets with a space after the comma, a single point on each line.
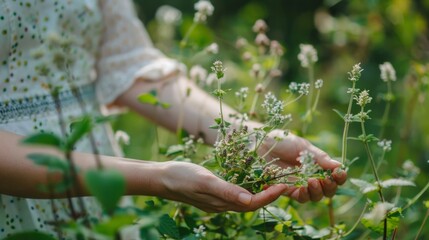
[369, 31]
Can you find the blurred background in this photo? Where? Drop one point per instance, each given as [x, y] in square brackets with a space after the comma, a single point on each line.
[344, 33]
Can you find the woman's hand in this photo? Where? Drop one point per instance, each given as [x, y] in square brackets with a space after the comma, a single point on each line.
[288, 151]
[195, 185]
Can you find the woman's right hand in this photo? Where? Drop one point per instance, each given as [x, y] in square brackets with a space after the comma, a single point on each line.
[195, 185]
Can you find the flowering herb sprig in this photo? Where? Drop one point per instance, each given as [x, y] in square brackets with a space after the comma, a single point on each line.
[388, 75]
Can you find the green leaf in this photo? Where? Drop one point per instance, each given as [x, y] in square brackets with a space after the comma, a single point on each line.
[175, 150]
[168, 227]
[339, 113]
[345, 192]
[52, 162]
[265, 226]
[393, 219]
[107, 186]
[396, 182]
[214, 126]
[114, 224]
[78, 130]
[426, 203]
[48, 139]
[30, 235]
[364, 186]
[149, 98]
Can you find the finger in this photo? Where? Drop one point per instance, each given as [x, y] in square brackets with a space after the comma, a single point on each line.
[340, 176]
[300, 194]
[267, 196]
[323, 159]
[315, 190]
[329, 187]
[229, 192]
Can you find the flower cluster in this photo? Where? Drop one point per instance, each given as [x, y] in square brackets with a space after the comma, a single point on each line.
[300, 88]
[309, 166]
[363, 98]
[307, 55]
[204, 9]
[274, 109]
[387, 72]
[218, 69]
[318, 84]
[385, 144]
[355, 74]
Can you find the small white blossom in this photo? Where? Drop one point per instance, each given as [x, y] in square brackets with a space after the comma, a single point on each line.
[204, 8]
[363, 98]
[355, 74]
[318, 84]
[168, 14]
[385, 144]
[256, 71]
[307, 55]
[276, 49]
[218, 69]
[387, 72]
[212, 48]
[262, 40]
[304, 88]
[122, 137]
[197, 74]
[240, 43]
[200, 231]
[260, 26]
[242, 93]
[293, 87]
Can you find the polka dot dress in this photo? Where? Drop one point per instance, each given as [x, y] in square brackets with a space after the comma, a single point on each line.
[96, 47]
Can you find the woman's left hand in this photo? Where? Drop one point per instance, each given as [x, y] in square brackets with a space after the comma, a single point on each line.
[288, 149]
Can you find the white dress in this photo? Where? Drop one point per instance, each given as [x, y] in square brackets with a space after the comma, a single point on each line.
[106, 46]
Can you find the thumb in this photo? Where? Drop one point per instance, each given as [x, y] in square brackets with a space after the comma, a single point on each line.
[323, 159]
[230, 192]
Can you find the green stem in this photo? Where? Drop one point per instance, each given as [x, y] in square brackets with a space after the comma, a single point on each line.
[421, 226]
[385, 117]
[331, 212]
[309, 112]
[374, 169]
[346, 126]
[254, 102]
[358, 221]
[187, 34]
[412, 201]
[222, 127]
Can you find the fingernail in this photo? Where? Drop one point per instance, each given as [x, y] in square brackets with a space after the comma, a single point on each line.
[244, 198]
[314, 184]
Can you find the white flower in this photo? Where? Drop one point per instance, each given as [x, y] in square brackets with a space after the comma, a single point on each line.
[260, 26]
[200, 231]
[204, 8]
[218, 69]
[168, 14]
[387, 72]
[355, 74]
[262, 40]
[122, 137]
[385, 144]
[255, 72]
[241, 42]
[276, 49]
[212, 48]
[198, 73]
[304, 88]
[242, 93]
[307, 55]
[318, 84]
[363, 98]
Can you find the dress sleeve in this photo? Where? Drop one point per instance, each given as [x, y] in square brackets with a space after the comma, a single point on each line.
[127, 53]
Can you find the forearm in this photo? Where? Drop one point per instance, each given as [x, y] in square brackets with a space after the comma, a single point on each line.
[20, 177]
[197, 109]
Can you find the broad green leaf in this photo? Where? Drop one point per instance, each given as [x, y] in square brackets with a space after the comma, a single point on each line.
[268, 212]
[364, 186]
[30, 235]
[107, 186]
[77, 130]
[393, 219]
[50, 161]
[48, 139]
[112, 225]
[396, 182]
[168, 227]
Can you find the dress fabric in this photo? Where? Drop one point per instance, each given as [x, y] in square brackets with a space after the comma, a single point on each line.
[98, 47]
